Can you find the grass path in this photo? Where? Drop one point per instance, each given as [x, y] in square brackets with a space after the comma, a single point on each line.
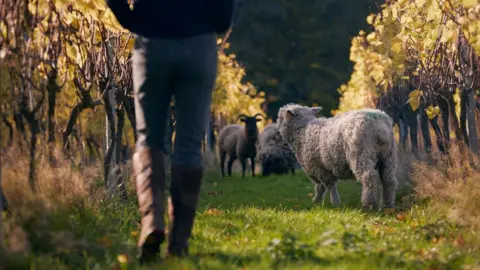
[262, 223]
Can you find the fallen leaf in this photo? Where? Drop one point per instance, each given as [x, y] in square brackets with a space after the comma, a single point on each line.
[134, 234]
[400, 217]
[213, 212]
[105, 241]
[388, 211]
[459, 241]
[122, 258]
[310, 194]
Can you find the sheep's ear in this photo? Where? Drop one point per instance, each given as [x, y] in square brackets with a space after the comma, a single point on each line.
[316, 109]
[258, 120]
[289, 114]
[243, 120]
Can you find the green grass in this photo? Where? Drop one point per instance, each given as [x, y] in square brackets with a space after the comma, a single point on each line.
[261, 223]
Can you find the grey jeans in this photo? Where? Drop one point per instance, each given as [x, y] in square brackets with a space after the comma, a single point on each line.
[184, 69]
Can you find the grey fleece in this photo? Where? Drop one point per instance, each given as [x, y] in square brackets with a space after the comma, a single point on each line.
[358, 144]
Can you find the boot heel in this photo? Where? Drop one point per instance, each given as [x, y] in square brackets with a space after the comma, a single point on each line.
[151, 248]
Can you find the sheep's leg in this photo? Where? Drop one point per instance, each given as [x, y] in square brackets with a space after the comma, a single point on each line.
[252, 164]
[223, 156]
[320, 190]
[293, 170]
[230, 164]
[389, 181]
[334, 196]
[244, 166]
[365, 172]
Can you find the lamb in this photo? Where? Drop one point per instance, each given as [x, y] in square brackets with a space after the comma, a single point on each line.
[239, 142]
[274, 153]
[358, 144]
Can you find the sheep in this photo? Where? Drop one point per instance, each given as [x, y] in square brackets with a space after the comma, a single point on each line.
[239, 142]
[358, 144]
[274, 153]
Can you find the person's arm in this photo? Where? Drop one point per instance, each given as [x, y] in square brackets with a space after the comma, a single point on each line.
[122, 12]
[225, 12]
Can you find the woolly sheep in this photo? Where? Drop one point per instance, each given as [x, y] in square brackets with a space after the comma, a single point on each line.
[274, 153]
[239, 141]
[358, 144]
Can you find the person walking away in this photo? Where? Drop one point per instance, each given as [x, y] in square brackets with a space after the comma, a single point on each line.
[175, 54]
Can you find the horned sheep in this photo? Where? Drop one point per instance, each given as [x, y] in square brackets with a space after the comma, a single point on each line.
[359, 144]
[239, 142]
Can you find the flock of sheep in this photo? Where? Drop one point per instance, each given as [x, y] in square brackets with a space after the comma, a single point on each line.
[357, 144]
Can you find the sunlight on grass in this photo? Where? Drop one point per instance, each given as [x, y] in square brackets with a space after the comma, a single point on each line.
[265, 223]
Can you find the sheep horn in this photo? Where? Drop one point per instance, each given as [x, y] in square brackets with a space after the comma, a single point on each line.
[258, 114]
[240, 116]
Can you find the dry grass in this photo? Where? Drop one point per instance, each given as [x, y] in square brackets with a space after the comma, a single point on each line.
[452, 185]
[59, 186]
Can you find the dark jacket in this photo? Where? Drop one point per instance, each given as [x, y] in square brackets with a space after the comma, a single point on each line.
[174, 18]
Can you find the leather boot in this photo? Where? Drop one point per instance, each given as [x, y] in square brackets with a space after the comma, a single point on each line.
[149, 171]
[182, 205]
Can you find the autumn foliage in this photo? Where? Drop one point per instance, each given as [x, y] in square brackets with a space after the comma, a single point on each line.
[421, 58]
[66, 82]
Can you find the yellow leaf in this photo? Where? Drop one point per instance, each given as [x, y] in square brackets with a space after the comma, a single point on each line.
[420, 3]
[71, 51]
[396, 45]
[414, 99]
[134, 234]
[433, 11]
[432, 112]
[122, 258]
[370, 18]
[213, 212]
[469, 3]
[405, 78]
[130, 44]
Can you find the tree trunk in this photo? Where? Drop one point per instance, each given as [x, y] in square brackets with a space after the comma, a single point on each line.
[20, 124]
[438, 135]
[425, 129]
[3, 200]
[33, 150]
[10, 130]
[463, 118]
[52, 89]
[443, 104]
[116, 172]
[130, 111]
[472, 123]
[413, 125]
[403, 130]
[454, 119]
[109, 100]
[73, 119]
